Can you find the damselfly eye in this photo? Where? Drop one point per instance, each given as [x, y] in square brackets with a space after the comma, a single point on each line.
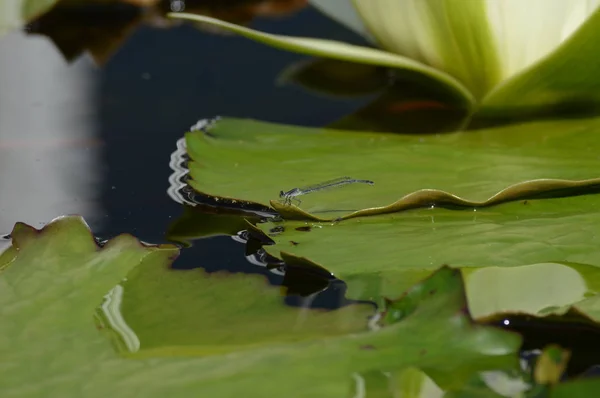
[281, 194]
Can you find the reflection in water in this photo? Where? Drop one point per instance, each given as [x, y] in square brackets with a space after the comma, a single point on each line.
[180, 191]
[111, 313]
[101, 27]
[48, 150]
[401, 101]
[571, 331]
[93, 27]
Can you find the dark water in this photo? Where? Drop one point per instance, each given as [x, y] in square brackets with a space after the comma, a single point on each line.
[106, 133]
[162, 81]
[159, 84]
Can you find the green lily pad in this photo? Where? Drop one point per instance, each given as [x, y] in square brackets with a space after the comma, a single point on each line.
[189, 318]
[550, 230]
[185, 311]
[576, 389]
[553, 240]
[475, 169]
[51, 344]
[589, 306]
[538, 289]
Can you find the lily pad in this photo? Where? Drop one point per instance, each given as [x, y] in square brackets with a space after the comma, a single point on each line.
[185, 311]
[466, 170]
[551, 243]
[188, 319]
[52, 346]
[576, 389]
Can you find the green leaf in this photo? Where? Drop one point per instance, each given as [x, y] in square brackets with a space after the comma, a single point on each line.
[589, 306]
[576, 389]
[51, 345]
[566, 79]
[205, 314]
[345, 52]
[538, 289]
[14, 13]
[444, 280]
[460, 170]
[200, 314]
[543, 234]
[552, 238]
[48, 294]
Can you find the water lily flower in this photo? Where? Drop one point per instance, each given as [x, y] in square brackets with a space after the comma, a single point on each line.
[491, 54]
[481, 43]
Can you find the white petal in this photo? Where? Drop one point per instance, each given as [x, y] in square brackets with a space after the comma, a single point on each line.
[344, 12]
[451, 35]
[480, 42]
[526, 31]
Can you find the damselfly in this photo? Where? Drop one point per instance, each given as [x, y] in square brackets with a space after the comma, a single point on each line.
[293, 194]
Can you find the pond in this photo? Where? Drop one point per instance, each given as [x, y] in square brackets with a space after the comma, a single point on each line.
[106, 154]
[95, 104]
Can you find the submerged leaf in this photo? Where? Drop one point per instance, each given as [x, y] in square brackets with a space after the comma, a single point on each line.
[445, 282]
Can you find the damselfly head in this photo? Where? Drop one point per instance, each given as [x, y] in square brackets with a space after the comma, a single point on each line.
[281, 194]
